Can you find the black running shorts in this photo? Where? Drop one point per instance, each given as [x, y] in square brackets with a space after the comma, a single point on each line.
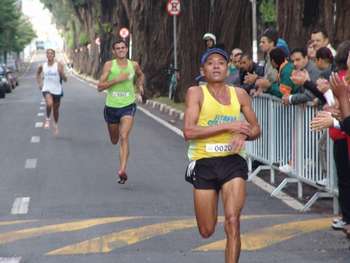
[113, 115]
[213, 173]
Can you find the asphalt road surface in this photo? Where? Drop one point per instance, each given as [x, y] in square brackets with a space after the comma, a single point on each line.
[60, 201]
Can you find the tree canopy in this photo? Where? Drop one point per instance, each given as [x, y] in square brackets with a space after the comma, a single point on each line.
[16, 31]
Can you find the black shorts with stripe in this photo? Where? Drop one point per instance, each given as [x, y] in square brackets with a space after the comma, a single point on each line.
[213, 173]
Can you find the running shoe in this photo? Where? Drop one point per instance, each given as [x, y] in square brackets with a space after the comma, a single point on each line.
[286, 169]
[47, 124]
[338, 224]
[122, 177]
[55, 129]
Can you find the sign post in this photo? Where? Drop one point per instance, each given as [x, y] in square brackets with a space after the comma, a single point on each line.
[173, 9]
[124, 33]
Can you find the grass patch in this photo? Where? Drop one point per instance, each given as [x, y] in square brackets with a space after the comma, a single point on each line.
[167, 101]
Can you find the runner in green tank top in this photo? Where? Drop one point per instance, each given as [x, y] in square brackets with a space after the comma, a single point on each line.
[119, 77]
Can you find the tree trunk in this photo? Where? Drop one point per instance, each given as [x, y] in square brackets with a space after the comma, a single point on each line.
[342, 31]
[298, 18]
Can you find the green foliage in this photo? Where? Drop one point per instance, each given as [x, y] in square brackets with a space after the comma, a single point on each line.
[83, 39]
[267, 9]
[69, 36]
[79, 2]
[107, 27]
[15, 31]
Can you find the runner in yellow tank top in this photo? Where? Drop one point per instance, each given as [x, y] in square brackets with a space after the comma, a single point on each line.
[216, 138]
[118, 78]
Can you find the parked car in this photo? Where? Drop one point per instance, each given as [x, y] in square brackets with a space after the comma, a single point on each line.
[2, 90]
[11, 77]
[4, 81]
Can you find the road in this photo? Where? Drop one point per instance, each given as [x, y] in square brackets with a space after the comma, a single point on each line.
[60, 201]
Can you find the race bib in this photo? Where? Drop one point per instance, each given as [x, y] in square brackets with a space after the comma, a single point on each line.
[218, 148]
[120, 94]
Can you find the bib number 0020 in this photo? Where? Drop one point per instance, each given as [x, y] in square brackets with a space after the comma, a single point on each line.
[217, 148]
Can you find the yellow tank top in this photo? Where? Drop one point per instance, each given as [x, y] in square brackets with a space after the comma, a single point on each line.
[214, 113]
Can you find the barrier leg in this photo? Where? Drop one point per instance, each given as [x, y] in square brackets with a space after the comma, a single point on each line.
[283, 184]
[314, 198]
[257, 170]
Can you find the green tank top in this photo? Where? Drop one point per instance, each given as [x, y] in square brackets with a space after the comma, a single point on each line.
[121, 94]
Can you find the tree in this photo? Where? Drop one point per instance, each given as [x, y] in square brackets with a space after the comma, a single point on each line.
[15, 30]
[297, 19]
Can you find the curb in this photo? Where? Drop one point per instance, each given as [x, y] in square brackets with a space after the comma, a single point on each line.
[166, 109]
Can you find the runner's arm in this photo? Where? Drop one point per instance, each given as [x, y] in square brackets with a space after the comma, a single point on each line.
[249, 114]
[140, 78]
[193, 131]
[104, 83]
[39, 79]
[61, 72]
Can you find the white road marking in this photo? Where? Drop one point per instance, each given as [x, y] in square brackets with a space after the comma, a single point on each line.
[35, 139]
[42, 108]
[40, 114]
[39, 124]
[31, 163]
[164, 123]
[42, 102]
[20, 206]
[10, 260]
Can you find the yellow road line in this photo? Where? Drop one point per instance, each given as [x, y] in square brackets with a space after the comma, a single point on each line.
[7, 223]
[58, 228]
[271, 235]
[109, 242]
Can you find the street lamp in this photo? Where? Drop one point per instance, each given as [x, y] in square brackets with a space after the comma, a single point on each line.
[255, 44]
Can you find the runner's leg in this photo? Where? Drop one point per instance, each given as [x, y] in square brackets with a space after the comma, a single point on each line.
[126, 124]
[233, 198]
[113, 130]
[206, 209]
[56, 107]
[49, 104]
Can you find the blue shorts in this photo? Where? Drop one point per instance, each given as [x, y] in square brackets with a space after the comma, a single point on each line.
[113, 115]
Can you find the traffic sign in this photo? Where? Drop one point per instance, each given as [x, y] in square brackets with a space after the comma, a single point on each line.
[124, 32]
[173, 7]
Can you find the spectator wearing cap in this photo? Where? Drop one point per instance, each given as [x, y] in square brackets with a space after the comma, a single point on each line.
[209, 40]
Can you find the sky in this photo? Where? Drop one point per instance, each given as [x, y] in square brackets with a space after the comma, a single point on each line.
[42, 22]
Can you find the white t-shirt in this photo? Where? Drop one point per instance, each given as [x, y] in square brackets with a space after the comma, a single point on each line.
[51, 78]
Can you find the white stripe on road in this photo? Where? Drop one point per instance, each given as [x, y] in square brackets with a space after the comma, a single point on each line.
[169, 126]
[10, 260]
[40, 114]
[39, 124]
[20, 206]
[42, 108]
[30, 163]
[35, 139]
[42, 102]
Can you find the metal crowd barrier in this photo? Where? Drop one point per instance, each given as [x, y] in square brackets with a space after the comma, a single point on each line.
[287, 142]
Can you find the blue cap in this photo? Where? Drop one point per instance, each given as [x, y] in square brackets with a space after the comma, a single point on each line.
[211, 51]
